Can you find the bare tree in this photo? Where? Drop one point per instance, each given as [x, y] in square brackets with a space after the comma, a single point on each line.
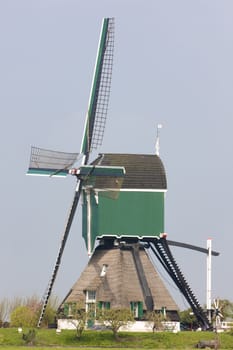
[157, 320]
[4, 311]
[79, 317]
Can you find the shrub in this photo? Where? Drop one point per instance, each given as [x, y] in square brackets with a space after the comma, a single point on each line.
[30, 337]
[23, 316]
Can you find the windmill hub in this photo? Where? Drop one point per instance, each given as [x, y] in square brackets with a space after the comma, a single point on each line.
[73, 171]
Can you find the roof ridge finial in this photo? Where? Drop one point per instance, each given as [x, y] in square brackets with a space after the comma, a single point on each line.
[157, 144]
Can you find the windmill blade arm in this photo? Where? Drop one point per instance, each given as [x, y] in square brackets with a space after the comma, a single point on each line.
[100, 90]
[48, 291]
[98, 170]
[192, 247]
[47, 172]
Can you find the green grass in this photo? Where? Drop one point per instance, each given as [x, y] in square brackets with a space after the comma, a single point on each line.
[10, 339]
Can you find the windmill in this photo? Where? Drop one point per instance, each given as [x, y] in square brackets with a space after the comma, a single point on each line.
[123, 208]
[217, 314]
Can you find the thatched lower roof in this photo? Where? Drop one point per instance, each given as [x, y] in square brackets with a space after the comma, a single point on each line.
[121, 283]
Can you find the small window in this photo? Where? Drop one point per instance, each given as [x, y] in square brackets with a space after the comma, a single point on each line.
[104, 305]
[69, 309]
[90, 296]
[72, 309]
[137, 308]
[104, 270]
[91, 301]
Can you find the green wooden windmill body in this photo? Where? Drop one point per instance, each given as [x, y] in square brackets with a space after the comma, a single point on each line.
[134, 210]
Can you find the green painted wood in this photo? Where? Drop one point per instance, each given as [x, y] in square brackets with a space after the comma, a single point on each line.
[47, 172]
[66, 309]
[132, 214]
[140, 309]
[101, 171]
[84, 219]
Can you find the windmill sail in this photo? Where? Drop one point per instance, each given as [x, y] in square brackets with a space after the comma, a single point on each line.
[44, 162]
[100, 91]
[93, 131]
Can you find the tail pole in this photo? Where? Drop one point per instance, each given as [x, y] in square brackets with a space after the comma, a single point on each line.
[162, 251]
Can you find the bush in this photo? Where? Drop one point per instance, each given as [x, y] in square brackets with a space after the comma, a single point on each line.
[30, 337]
[23, 316]
[25, 313]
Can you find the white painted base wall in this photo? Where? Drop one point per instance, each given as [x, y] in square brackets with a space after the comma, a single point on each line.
[137, 326]
[66, 324]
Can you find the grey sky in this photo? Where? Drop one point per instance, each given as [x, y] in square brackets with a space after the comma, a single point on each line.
[172, 65]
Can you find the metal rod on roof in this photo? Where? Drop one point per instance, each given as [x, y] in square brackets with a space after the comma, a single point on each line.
[157, 145]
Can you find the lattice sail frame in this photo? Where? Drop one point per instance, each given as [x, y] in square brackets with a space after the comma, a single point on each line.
[100, 91]
[104, 90]
[47, 162]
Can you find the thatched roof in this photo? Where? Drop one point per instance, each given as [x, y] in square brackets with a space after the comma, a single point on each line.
[121, 284]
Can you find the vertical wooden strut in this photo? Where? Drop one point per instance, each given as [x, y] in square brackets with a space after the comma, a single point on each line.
[142, 278]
